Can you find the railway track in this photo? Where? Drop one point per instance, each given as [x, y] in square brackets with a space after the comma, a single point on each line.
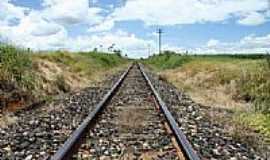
[131, 122]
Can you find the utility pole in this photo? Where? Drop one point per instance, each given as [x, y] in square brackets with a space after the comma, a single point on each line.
[159, 39]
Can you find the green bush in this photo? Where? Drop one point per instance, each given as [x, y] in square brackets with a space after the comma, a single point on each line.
[255, 86]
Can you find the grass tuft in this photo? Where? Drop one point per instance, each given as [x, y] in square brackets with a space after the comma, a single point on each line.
[15, 66]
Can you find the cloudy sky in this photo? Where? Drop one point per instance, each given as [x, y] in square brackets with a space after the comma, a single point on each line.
[201, 26]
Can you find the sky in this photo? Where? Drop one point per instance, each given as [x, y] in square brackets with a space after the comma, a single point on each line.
[197, 26]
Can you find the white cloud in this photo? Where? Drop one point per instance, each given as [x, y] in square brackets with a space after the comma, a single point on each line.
[69, 12]
[35, 25]
[32, 37]
[174, 12]
[128, 43]
[248, 44]
[212, 43]
[9, 12]
[46, 29]
[35, 32]
[253, 19]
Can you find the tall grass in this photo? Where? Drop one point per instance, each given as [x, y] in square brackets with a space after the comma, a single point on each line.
[167, 61]
[105, 60]
[256, 86]
[16, 65]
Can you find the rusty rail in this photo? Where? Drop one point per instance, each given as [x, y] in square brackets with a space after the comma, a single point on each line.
[182, 141]
[73, 142]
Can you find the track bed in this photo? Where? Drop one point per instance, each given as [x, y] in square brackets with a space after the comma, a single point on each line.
[130, 127]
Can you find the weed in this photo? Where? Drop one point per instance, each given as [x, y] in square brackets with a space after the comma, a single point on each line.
[14, 62]
[61, 84]
[16, 66]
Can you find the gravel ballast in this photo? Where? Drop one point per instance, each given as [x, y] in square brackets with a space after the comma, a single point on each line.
[39, 132]
[209, 138]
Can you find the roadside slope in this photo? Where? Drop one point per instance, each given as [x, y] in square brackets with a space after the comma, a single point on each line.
[27, 77]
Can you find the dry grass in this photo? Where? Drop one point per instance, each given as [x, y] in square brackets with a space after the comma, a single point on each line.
[232, 85]
[212, 83]
[57, 77]
[131, 118]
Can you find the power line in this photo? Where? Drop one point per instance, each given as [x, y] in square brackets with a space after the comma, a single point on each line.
[159, 31]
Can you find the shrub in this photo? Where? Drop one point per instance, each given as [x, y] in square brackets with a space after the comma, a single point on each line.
[254, 86]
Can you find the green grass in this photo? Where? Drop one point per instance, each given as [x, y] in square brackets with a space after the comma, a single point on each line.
[257, 121]
[105, 60]
[167, 61]
[15, 66]
[170, 60]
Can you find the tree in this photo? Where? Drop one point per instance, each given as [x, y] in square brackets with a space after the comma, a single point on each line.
[110, 48]
[167, 52]
[117, 52]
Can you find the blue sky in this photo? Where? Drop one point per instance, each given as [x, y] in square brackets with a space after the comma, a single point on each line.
[199, 26]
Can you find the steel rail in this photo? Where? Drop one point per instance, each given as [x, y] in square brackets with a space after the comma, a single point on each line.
[72, 144]
[182, 141]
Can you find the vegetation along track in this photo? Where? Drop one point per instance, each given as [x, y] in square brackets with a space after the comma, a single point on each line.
[131, 122]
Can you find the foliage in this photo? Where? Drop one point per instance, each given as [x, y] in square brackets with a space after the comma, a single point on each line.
[234, 56]
[16, 65]
[168, 60]
[257, 121]
[255, 86]
[105, 60]
[118, 52]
